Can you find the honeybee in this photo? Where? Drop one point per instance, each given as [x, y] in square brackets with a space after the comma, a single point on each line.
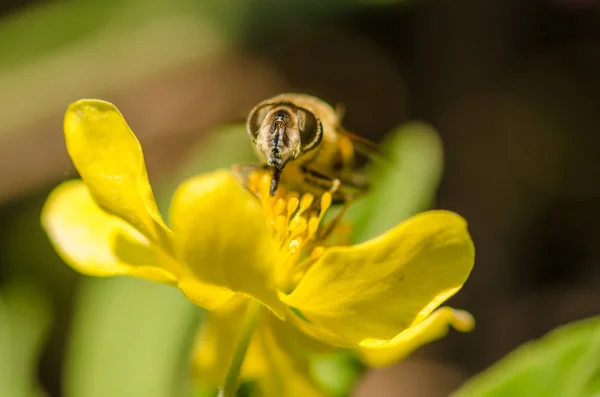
[301, 140]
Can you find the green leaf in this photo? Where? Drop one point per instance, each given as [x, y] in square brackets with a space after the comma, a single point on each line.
[25, 319]
[226, 146]
[403, 184]
[336, 373]
[118, 43]
[129, 338]
[564, 363]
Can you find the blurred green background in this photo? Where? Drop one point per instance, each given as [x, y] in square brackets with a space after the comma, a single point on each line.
[512, 88]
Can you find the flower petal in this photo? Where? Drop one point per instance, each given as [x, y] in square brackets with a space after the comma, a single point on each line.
[110, 161]
[380, 353]
[278, 368]
[287, 370]
[215, 345]
[301, 343]
[379, 288]
[94, 242]
[223, 238]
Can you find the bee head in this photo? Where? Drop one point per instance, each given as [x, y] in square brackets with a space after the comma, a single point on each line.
[282, 132]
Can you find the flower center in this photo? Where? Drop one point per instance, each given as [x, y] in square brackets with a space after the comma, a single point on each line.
[294, 221]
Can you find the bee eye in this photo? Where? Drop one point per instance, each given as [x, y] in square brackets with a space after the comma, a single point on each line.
[255, 120]
[311, 130]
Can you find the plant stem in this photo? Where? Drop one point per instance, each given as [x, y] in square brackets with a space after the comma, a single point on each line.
[233, 374]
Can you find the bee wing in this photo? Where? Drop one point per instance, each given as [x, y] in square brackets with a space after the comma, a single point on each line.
[364, 146]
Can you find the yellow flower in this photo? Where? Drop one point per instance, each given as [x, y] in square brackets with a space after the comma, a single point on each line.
[225, 245]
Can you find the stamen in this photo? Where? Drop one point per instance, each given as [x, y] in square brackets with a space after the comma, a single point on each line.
[297, 270]
[292, 195]
[313, 225]
[263, 186]
[305, 202]
[292, 206]
[317, 252]
[294, 221]
[280, 225]
[295, 244]
[326, 199]
[279, 207]
[297, 226]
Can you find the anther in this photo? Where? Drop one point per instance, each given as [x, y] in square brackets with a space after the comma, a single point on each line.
[306, 201]
[280, 224]
[325, 203]
[294, 244]
[298, 225]
[317, 252]
[313, 225]
[279, 206]
[292, 206]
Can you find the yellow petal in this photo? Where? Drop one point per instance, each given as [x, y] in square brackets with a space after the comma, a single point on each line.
[287, 370]
[379, 288]
[215, 345]
[223, 239]
[278, 369]
[295, 340]
[94, 242]
[109, 159]
[379, 353]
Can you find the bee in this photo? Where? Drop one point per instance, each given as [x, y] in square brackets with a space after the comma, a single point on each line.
[301, 140]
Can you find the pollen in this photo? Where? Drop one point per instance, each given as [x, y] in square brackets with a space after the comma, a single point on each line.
[294, 221]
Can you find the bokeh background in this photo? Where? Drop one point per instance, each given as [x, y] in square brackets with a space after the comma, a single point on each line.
[511, 86]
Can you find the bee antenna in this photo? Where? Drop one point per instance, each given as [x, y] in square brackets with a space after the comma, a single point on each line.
[274, 181]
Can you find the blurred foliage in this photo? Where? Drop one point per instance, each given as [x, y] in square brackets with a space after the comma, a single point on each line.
[24, 36]
[258, 17]
[55, 53]
[403, 183]
[59, 51]
[564, 363]
[73, 19]
[25, 319]
[226, 146]
[129, 337]
[337, 373]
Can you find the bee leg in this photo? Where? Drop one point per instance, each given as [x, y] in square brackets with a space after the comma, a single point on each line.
[335, 186]
[321, 182]
[330, 227]
[243, 171]
[340, 189]
[332, 186]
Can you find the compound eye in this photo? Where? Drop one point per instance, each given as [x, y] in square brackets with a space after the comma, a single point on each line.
[256, 119]
[310, 128]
